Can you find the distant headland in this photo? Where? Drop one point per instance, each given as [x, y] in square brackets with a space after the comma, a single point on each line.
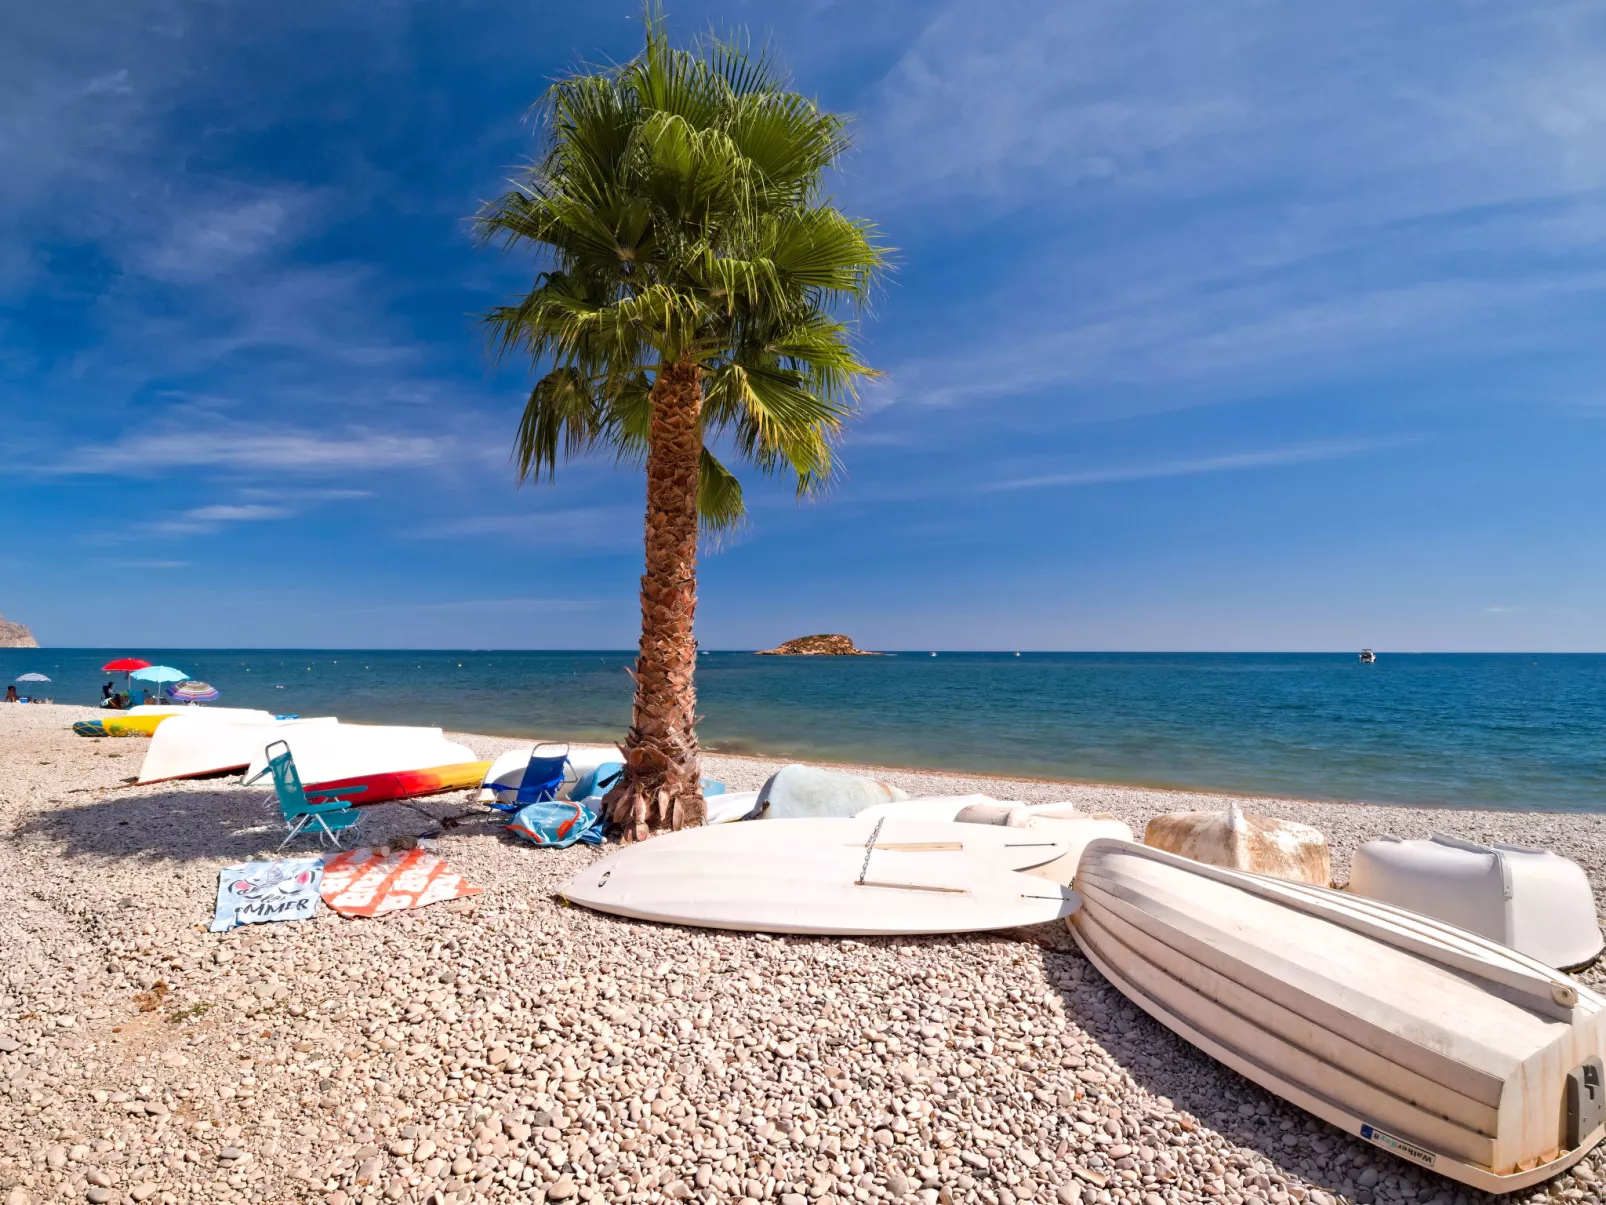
[15, 635]
[818, 646]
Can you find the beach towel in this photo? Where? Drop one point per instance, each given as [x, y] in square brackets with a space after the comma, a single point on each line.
[557, 823]
[254, 892]
[367, 882]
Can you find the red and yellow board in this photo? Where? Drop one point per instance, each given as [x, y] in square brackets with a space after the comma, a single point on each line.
[388, 785]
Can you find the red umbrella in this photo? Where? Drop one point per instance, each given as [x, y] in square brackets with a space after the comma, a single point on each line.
[124, 665]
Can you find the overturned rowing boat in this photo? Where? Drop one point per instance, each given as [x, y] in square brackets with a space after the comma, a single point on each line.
[1446, 1049]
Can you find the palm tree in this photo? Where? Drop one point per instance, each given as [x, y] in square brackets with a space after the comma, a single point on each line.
[692, 296]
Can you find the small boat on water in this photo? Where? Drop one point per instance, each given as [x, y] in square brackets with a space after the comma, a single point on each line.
[1447, 1050]
[1368, 656]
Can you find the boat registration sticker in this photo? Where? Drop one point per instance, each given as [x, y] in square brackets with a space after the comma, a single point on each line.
[1402, 1148]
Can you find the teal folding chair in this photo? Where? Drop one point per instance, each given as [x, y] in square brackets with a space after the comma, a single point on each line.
[327, 813]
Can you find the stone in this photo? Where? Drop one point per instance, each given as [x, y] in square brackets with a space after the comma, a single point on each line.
[98, 1195]
[561, 1189]
[141, 1191]
[19, 1196]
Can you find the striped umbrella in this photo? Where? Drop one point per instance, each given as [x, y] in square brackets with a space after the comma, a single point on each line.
[193, 692]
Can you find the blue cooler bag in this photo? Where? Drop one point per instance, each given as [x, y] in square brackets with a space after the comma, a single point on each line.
[557, 823]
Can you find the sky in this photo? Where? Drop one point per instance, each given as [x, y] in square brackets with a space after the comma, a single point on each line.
[1237, 326]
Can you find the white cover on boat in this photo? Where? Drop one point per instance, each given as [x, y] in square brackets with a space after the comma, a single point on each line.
[1529, 899]
[823, 876]
[330, 752]
[188, 746]
[507, 771]
[1284, 849]
[798, 791]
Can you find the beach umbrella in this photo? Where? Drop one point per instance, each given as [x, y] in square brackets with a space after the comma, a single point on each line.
[159, 674]
[193, 692]
[32, 678]
[124, 665]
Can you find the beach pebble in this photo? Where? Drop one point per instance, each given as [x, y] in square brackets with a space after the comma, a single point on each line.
[525, 1051]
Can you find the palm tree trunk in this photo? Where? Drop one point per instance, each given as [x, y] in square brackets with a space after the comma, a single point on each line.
[661, 787]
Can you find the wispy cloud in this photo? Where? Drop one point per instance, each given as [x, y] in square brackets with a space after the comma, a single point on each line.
[1231, 463]
[241, 447]
[149, 564]
[581, 529]
[203, 520]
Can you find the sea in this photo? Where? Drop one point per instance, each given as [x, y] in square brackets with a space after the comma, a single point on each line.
[1513, 731]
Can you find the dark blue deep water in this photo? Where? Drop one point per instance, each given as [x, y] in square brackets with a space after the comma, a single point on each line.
[1468, 730]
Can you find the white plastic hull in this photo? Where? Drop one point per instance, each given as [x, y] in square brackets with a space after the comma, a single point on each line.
[190, 747]
[1430, 1042]
[821, 876]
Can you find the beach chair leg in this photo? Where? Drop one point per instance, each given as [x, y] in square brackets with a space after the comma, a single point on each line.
[295, 830]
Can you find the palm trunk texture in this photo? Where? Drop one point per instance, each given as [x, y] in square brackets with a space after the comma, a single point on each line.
[661, 787]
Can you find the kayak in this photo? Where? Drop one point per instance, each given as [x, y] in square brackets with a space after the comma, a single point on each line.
[386, 786]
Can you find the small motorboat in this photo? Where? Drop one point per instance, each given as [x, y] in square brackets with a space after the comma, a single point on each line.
[1368, 656]
[1459, 1055]
[1529, 899]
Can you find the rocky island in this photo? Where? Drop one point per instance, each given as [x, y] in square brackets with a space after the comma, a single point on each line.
[818, 646]
[15, 635]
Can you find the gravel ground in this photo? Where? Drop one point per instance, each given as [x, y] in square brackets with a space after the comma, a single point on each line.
[510, 1048]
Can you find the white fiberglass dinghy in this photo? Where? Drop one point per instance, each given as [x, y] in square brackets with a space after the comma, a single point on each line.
[1529, 899]
[798, 791]
[193, 746]
[840, 876]
[1445, 1049]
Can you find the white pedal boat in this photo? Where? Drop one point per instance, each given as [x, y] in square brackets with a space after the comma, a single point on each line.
[1448, 1050]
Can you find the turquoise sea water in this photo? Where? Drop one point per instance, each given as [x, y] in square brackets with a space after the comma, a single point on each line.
[1470, 730]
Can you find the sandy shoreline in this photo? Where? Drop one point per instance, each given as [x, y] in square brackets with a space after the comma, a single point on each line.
[514, 1049]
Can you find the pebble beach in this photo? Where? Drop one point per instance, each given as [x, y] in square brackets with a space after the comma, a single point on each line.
[509, 1047]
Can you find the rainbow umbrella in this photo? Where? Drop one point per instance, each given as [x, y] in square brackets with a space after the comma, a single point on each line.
[193, 692]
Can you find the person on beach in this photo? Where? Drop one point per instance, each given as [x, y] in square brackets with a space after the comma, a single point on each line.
[106, 691]
[11, 694]
[146, 697]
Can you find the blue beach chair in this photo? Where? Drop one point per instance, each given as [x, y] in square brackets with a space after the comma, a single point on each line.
[543, 779]
[327, 813]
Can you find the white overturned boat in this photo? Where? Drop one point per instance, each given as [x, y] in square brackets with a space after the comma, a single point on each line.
[327, 753]
[837, 876]
[1445, 1049]
[188, 746]
[799, 791]
[1529, 899]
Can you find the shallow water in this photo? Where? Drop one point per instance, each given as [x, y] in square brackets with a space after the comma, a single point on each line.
[1467, 730]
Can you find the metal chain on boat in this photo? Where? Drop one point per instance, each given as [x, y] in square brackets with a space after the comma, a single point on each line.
[869, 848]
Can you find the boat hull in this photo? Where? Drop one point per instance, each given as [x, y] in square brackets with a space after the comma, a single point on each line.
[1445, 1050]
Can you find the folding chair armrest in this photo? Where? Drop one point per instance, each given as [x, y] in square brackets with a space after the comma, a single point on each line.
[330, 800]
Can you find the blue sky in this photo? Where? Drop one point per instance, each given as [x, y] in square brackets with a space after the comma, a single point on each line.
[1230, 326]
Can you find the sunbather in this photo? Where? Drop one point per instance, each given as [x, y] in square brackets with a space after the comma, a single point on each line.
[11, 694]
